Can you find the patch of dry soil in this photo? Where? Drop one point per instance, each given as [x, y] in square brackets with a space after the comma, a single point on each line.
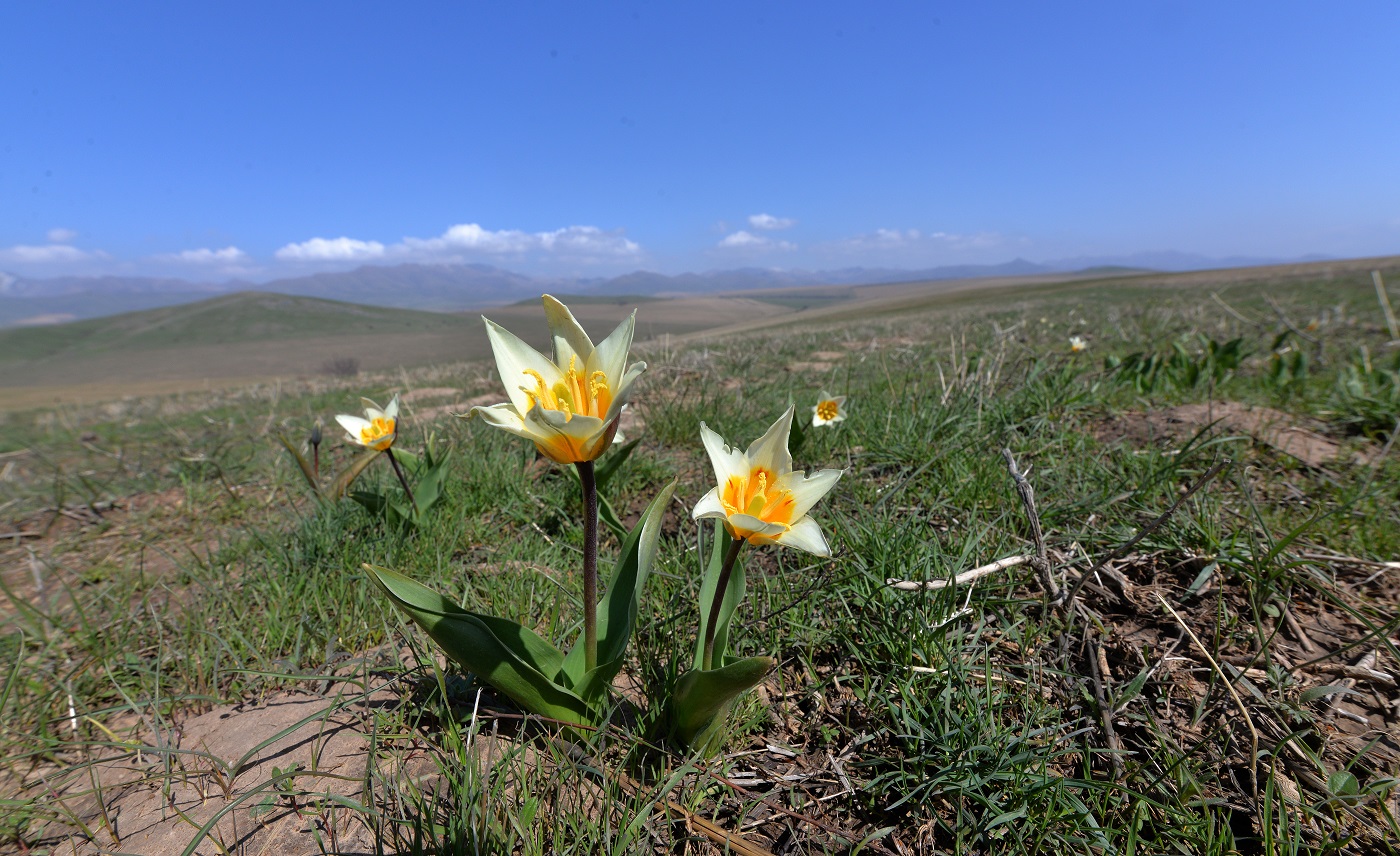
[158, 810]
[1273, 428]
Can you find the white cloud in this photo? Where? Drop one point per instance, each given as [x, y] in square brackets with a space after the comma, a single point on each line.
[205, 256]
[770, 223]
[331, 250]
[48, 254]
[588, 241]
[742, 240]
[61, 236]
[6, 281]
[571, 241]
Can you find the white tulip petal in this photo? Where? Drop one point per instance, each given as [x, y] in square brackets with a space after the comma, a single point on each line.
[805, 535]
[570, 340]
[771, 450]
[749, 523]
[514, 360]
[497, 415]
[726, 461]
[392, 411]
[353, 425]
[610, 358]
[807, 490]
[372, 410]
[709, 506]
[623, 393]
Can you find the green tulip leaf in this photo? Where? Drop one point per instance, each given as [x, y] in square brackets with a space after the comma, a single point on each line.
[703, 699]
[307, 470]
[348, 475]
[733, 595]
[617, 611]
[508, 656]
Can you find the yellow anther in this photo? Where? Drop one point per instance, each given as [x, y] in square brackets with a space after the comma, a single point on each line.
[598, 380]
[539, 379]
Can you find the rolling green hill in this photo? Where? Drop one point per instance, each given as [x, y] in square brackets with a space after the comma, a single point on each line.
[229, 319]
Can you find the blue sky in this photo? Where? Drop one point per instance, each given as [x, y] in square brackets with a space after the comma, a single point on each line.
[252, 139]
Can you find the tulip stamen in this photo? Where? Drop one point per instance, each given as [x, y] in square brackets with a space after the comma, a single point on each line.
[376, 432]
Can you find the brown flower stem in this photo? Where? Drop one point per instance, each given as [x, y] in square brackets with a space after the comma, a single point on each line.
[590, 564]
[725, 570]
[403, 480]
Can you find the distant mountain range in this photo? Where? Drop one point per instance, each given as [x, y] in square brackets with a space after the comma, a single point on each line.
[458, 287]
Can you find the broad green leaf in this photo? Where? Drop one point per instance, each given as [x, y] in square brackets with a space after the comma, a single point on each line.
[307, 470]
[1343, 784]
[429, 488]
[506, 655]
[617, 611]
[733, 595]
[702, 700]
[348, 475]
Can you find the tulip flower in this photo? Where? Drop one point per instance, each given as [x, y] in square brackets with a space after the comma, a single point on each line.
[760, 499]
[829, 410]
[377, 430]
[568, 405]
[1077, 344]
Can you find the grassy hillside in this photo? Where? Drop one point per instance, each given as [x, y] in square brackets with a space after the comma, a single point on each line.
[227, 319]
[1215, 482]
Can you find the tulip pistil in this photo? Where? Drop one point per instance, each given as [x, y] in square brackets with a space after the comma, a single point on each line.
[758, 496]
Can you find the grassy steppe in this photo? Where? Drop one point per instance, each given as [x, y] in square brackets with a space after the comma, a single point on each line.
[165, 562]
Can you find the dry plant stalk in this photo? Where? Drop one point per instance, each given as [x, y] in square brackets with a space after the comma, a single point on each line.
[1384, 298]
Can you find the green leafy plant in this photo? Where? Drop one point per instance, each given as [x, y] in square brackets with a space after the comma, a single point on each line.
[518, 662]
[1191, 360]
[759, 499]
[410, 508]
[1366, 396]
[311, 469]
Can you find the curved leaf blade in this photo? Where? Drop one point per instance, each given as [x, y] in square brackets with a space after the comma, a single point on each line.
[703, 699]
[508, 656]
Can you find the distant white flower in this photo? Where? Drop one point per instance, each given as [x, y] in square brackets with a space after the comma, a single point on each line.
[1077, 344]
[829, 410]
[759, 496]
[377, 430]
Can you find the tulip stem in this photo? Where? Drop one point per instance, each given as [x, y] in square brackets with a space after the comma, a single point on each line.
[725, 570]
[403, 480]
[590, 564]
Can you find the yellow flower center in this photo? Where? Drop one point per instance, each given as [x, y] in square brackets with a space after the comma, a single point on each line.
[574, 394]
[378, 434]
[828, 410]
[759, 496]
